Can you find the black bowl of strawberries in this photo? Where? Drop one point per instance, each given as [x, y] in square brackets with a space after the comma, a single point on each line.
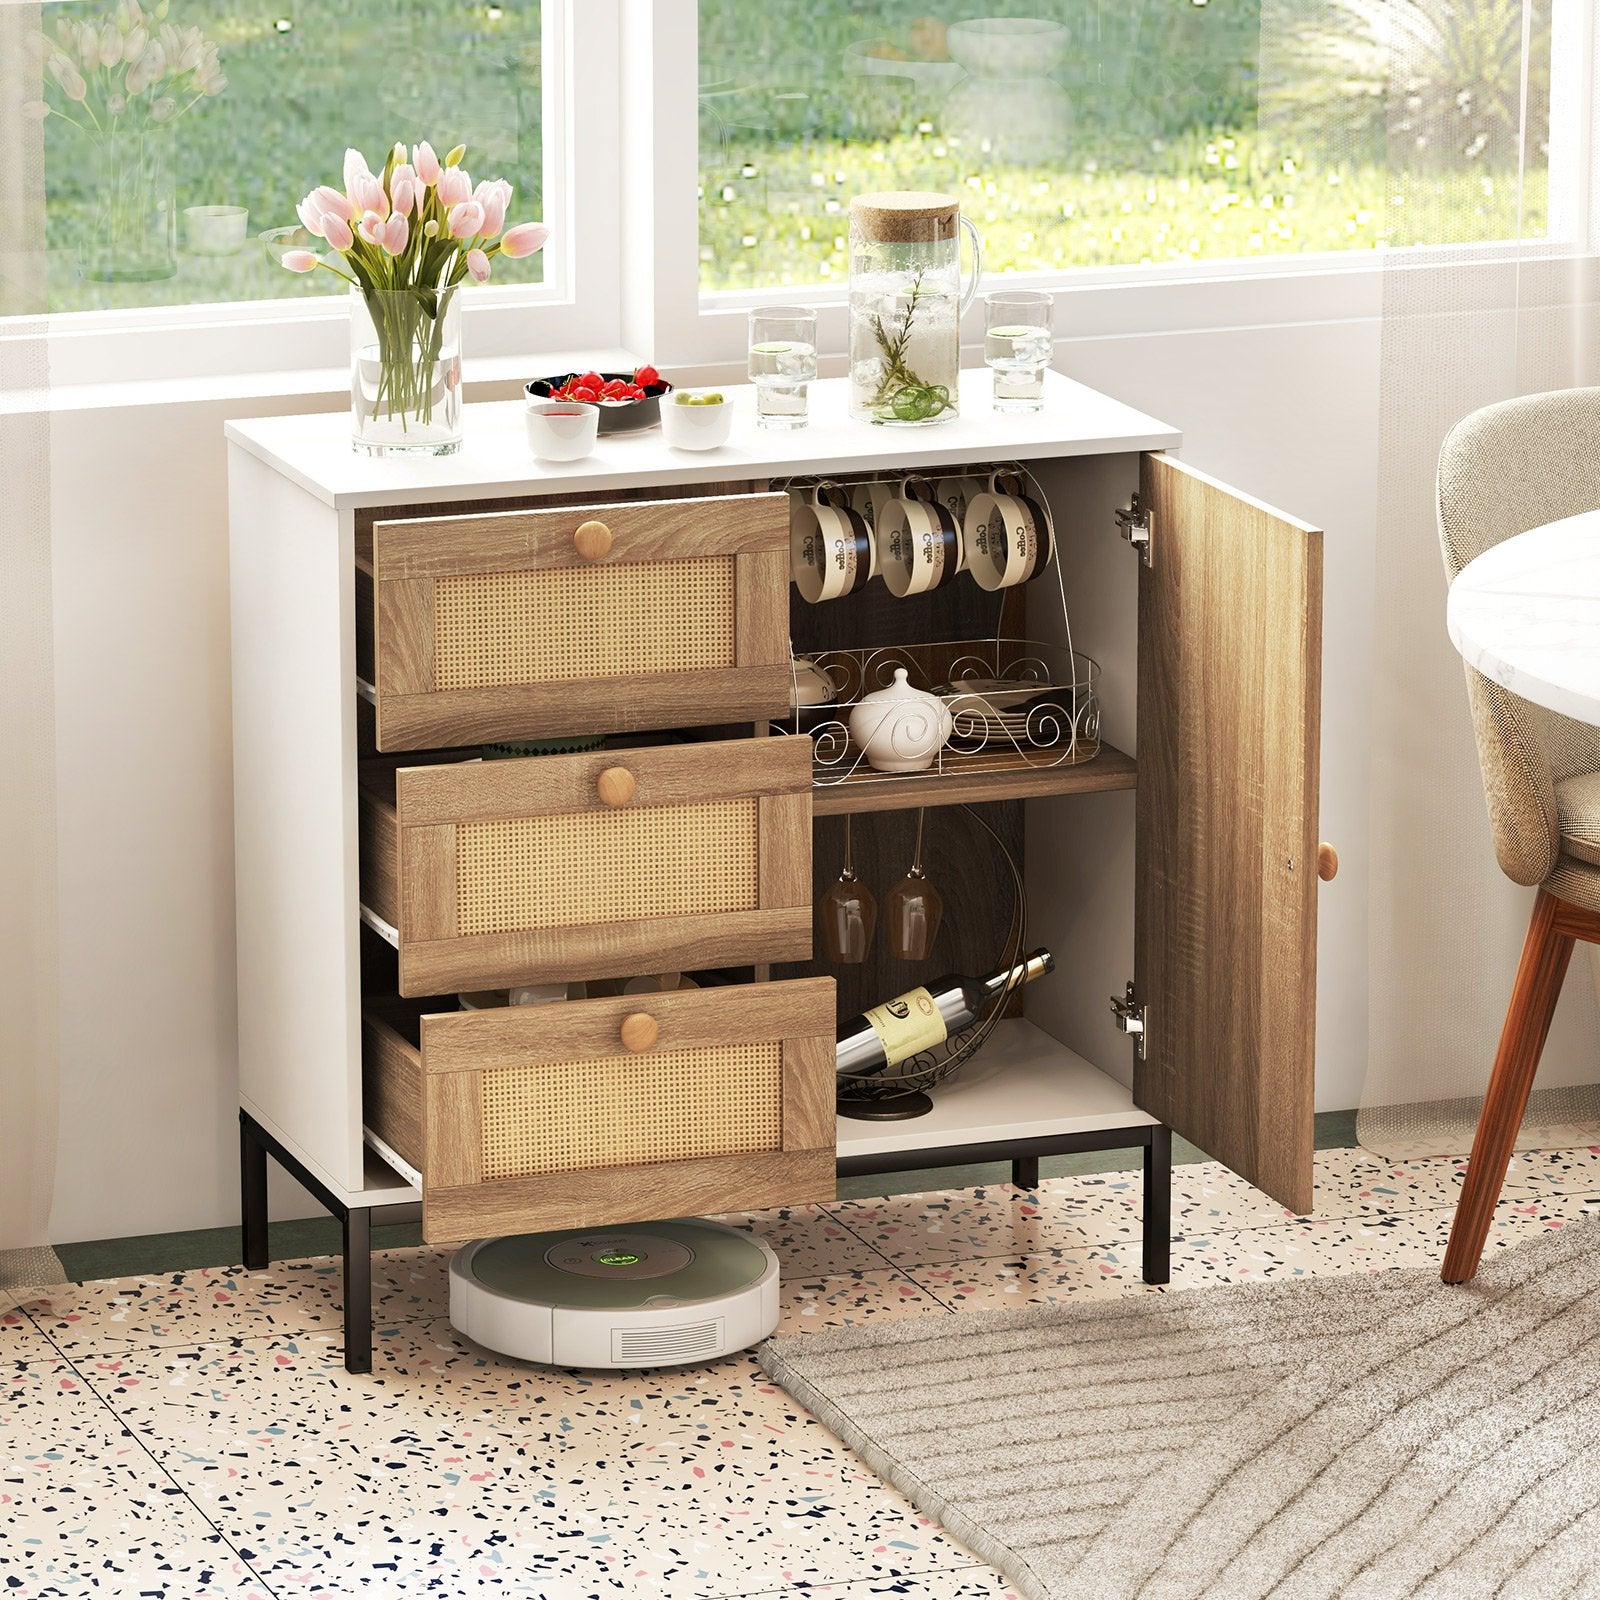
[626, 401]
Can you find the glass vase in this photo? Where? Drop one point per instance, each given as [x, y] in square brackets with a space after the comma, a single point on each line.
[132, 230]
[405, 372]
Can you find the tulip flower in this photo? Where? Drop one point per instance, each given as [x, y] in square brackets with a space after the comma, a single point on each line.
[336, 231]
[164, 109]
[478, 266]
[110, 46]
[454, 187]
[327, 200]
[133, 46]
[72, 82]
[299, 260]
[403, 190]
[466, 220]
[523, 240]
[426, 163]
[454, 158]
[367, 194]
[494, 195]
[393, 234]
[355, 166]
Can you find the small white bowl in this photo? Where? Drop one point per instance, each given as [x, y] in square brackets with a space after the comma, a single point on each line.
[562, 430]
[215, 230]
[687, 427]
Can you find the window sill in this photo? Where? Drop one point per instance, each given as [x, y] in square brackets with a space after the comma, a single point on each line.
[488, 378]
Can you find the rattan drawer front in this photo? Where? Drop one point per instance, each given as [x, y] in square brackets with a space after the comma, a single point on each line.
[505, 625]
[536, 1117]
[493, 629]
[651, 861]
[503, 872]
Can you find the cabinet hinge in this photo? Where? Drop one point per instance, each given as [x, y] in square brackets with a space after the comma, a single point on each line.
[1128, 1014]
[1134, 524]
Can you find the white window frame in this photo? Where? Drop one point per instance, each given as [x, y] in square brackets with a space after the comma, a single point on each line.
[303, 345]
[691, 330]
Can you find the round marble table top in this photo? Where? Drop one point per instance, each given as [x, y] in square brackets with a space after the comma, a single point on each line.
[1527, 614]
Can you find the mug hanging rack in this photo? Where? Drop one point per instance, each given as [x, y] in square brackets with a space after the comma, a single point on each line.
[1013, 702]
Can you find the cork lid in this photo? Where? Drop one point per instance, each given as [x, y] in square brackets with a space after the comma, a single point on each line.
[908, 216]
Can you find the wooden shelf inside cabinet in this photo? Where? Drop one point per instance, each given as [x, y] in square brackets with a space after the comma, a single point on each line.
[972, 780]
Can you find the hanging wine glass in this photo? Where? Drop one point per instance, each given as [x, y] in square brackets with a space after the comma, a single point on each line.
[913, 908]
[848, 911]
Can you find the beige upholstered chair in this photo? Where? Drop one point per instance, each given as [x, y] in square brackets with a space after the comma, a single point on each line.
[1503, 470]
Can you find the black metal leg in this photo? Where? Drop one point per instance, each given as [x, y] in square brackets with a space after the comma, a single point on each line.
[1158, 1206]
[1025, 1173]
[253, 1195]
[357, 1289]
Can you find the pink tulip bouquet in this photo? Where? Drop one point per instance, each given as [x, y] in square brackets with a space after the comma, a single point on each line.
[406, 240]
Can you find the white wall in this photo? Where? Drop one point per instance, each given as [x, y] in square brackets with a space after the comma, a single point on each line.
[149, 1128]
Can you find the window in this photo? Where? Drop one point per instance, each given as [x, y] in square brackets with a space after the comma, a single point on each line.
[181, 134]
[1104, 133]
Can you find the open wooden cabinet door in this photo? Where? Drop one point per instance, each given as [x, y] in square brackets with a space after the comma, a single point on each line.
[1225, 943]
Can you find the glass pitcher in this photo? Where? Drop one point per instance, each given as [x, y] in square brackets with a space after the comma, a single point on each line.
[906, 304]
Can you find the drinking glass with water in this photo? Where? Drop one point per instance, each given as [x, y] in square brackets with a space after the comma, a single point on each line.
[1017, 345]
[783, 363]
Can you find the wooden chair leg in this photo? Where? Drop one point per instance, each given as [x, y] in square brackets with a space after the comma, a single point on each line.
[1545, 954]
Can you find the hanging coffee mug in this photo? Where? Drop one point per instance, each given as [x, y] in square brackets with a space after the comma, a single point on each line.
[955, 495]
[919, 542]
[830, 550]
[868, 498]
[1009, 537]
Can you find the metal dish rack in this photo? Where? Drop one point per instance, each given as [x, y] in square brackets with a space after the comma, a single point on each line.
[1047, 715]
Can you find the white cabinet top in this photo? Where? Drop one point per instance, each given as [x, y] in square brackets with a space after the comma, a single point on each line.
[494, 460]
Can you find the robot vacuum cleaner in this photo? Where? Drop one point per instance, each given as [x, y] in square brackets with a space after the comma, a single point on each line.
[650, 1294]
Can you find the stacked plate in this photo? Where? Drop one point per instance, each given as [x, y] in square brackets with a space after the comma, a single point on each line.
[996, 712]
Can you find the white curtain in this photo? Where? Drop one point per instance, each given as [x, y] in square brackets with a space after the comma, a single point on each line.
[1488, 291]
[28, 998]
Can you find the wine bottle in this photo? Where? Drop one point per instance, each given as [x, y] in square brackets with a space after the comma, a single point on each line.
[921, 1018]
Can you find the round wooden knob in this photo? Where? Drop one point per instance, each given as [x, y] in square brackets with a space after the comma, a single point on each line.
[640, 1030]
[1327, 862]
[615, 786]
[593, 540]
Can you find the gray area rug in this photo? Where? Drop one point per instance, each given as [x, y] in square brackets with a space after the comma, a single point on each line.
[1352, 1438]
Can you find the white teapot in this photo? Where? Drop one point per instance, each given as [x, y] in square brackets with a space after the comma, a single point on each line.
[900, 729]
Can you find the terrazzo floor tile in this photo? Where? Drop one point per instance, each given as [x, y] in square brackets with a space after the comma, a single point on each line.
[448, 1469]
[214, 1303]
[809, 1241]
[999, 1220]
[1301, 1247]
[1364, 1244]
[845, 1299]
[1100, 1209]
[20, 1340]
[85, 1510]
[1048, 1277]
